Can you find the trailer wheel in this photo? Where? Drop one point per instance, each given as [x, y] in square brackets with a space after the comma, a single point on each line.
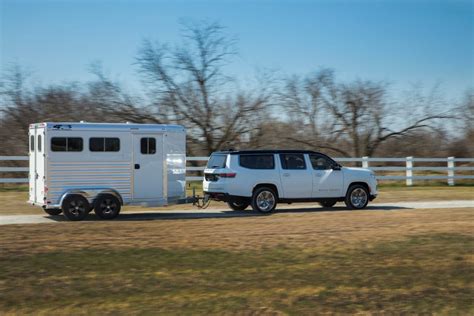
[53, 211]
[75, 207]
[107, 206]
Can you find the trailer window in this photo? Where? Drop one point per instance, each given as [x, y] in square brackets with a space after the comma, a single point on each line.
[104, 144]
[66, 144]
[148, 145]
[74, 144]
[112, 144]
[58, 144]
[39, 143]
[32, 143]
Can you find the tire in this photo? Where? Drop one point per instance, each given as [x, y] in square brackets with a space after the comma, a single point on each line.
[107, 206]
[328, 203]
[264, 200]
[53, 211]
[357, 197]
[238, 204]
[75, 207]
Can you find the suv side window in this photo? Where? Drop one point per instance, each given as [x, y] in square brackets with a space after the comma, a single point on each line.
[320, 162]
[292, 161]
[266, 161]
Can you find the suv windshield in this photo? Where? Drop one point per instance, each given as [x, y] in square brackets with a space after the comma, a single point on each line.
[217, 161]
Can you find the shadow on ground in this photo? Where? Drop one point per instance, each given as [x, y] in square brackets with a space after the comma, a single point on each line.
[203, 214]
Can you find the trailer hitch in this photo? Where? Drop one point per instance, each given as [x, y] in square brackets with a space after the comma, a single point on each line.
[201, 202]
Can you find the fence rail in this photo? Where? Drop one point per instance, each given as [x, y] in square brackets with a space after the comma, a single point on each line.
[407, 168]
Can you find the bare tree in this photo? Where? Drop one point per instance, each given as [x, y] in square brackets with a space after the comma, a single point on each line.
[190, 87]
[350, 118]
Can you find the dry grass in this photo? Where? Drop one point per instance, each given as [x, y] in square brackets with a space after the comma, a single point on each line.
[14, 202]
[303, 262]
[302, 228]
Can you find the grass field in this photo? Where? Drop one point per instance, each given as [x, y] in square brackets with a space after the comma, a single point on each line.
[413, 261]
[290, 263]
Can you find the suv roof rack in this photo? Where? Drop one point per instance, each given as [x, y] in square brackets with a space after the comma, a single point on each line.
[266, 151]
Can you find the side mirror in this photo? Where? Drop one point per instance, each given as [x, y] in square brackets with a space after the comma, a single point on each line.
[336, 167]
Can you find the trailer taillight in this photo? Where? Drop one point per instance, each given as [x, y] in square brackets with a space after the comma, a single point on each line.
[45, 189]
[227, 175]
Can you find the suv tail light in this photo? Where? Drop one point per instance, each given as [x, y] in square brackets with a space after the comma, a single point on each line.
[228, 175]
[216, 176]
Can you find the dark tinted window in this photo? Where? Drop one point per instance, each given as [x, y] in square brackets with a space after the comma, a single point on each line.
[39, 143]
[112, 144]
[217, 161]
[104, 144]
[74, 144]
[66, 144]
[320, 162]
[257, 161]
[292, 161]
[96, 144]
[32, 143]
[148, 145]
[58, 144]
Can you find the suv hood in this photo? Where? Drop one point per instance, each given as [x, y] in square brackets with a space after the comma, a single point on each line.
[357, 170]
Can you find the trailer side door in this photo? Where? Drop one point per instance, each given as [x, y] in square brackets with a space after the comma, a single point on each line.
[148, 166]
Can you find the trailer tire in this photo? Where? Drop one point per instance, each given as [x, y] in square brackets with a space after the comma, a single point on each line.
[107, 206]
[75, 207]
[53, 211]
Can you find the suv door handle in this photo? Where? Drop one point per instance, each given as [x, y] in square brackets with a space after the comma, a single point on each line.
[286, 174]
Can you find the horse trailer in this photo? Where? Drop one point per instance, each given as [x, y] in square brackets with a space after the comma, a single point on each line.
[79, 167]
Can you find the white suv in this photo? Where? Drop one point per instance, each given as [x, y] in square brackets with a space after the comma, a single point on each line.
[262, 178]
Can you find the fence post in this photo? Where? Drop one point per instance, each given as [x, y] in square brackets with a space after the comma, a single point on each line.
[365, 162]
[450, 170]
[409, 171]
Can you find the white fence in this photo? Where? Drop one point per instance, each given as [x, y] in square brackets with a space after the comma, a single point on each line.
[407, 166]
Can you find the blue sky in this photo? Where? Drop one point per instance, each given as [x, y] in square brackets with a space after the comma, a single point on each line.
[400, 42]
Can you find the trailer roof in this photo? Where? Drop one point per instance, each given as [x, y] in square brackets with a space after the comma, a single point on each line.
[107, 126]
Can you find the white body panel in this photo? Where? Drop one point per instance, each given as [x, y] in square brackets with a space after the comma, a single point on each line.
[328, 183]
[92, 172]
[291, 184]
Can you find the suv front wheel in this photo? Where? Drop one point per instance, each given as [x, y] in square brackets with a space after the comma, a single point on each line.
[264, 200]
[357, 197]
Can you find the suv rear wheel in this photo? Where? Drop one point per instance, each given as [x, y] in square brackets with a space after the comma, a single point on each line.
[238, 204]
[264, 200]
[357, 197]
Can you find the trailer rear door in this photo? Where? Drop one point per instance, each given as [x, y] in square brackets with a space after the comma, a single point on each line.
[37, 164]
